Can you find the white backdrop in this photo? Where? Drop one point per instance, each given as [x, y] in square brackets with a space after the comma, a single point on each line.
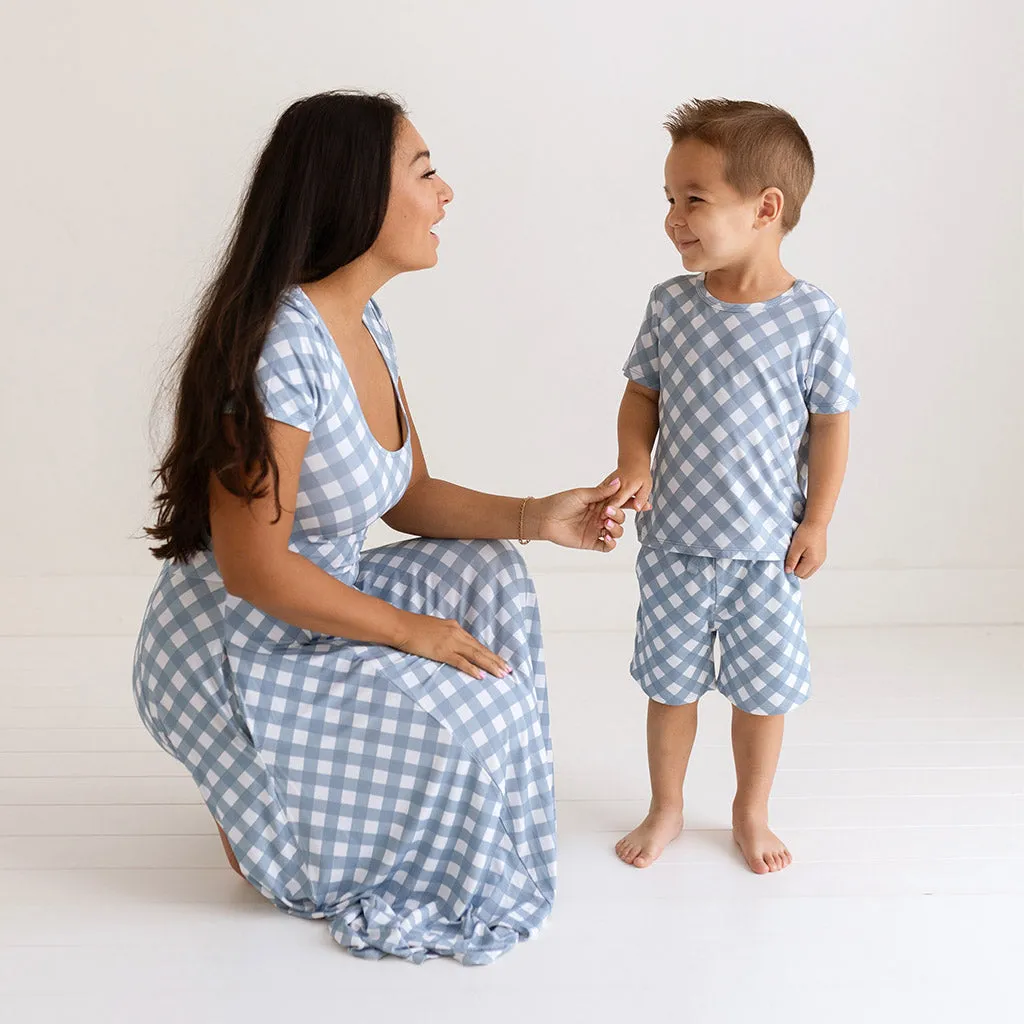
[131, 127]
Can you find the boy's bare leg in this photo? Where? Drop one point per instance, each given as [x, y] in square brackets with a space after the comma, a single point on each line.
[756, 743]
[670, 733]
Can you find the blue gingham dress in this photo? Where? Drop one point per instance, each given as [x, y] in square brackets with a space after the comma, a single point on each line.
[405, 802]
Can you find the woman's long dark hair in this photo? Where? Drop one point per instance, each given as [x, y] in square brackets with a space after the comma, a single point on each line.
[316, 201]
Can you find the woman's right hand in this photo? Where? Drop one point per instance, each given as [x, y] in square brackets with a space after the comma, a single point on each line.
[446, 641]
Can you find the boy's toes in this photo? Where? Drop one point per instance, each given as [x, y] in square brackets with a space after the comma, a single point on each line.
[644, 844]
[763, 851]
[625, 850]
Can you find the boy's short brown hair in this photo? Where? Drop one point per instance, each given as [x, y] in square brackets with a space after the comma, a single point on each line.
[762, 147]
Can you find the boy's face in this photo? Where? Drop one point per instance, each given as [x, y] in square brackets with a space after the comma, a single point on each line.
[709, 222]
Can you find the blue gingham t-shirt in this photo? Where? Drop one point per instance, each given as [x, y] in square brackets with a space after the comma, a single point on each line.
[737, 382]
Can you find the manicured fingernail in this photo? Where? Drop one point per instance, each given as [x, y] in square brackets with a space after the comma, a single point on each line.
[614, 483]
[609, 511]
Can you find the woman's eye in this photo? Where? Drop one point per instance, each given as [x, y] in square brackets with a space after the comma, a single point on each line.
[430, 174]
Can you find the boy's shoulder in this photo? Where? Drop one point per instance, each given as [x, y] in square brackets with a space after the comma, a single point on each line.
[804, 301]
[821, 301]
[678, 289]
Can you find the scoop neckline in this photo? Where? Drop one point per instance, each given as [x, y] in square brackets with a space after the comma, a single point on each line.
[406, 429]
[721, 304]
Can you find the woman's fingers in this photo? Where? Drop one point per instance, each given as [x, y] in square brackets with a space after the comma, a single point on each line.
[616, 515]
[484, 658]
[465, 665]
[612, 519]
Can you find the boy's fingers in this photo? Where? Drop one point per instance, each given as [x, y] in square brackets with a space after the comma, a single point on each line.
[639, 500]
[622, 497]
[808, 568]
[607, 490]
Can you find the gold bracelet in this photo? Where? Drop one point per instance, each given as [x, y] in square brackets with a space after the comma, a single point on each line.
[522, 516]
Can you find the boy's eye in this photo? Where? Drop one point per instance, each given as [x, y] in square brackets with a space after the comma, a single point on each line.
[671, 201]
[694, 199]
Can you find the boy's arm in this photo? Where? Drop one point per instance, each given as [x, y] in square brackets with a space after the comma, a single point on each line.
[829, 445]
[637, 431]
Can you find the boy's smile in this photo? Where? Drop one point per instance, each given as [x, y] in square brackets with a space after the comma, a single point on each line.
[709, 222]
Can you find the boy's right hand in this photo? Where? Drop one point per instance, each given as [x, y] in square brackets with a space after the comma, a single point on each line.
[635, 484]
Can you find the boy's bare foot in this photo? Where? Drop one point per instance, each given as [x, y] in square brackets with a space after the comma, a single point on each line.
[643, 846]
[763, 850]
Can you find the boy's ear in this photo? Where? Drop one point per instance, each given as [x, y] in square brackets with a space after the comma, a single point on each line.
[769, 207]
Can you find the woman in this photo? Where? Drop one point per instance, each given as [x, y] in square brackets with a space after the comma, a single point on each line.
[368, 728]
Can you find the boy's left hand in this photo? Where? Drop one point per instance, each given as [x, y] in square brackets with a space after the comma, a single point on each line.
[807, 550]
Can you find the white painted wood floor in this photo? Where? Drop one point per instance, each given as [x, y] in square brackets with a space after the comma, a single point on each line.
[901, 795]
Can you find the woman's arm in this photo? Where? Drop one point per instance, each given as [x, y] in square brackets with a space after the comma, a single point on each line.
[437, 508]
[252, 555]
[251, 551]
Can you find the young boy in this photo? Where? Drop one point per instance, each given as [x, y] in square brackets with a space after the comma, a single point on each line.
[743, 376]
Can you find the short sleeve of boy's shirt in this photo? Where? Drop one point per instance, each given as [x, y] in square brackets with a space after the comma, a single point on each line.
[829, 384]
[290, 371]
[644, 363]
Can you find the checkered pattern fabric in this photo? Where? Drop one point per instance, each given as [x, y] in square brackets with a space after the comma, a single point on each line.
[736, 384]
[755, 610]
[405, 802]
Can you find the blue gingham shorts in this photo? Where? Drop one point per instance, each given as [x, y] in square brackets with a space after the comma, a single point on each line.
[755, 610]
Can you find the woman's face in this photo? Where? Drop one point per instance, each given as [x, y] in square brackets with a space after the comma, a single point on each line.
[416, 204]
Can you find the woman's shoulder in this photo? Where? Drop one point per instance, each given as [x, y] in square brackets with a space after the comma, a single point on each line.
[296, 338]
[296, 321]
[293, 370]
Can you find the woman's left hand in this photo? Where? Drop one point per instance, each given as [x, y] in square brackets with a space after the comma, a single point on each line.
[581, 518]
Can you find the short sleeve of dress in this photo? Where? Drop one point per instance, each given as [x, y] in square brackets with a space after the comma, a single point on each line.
[830, 386]
[290, 372]
[644, 362]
